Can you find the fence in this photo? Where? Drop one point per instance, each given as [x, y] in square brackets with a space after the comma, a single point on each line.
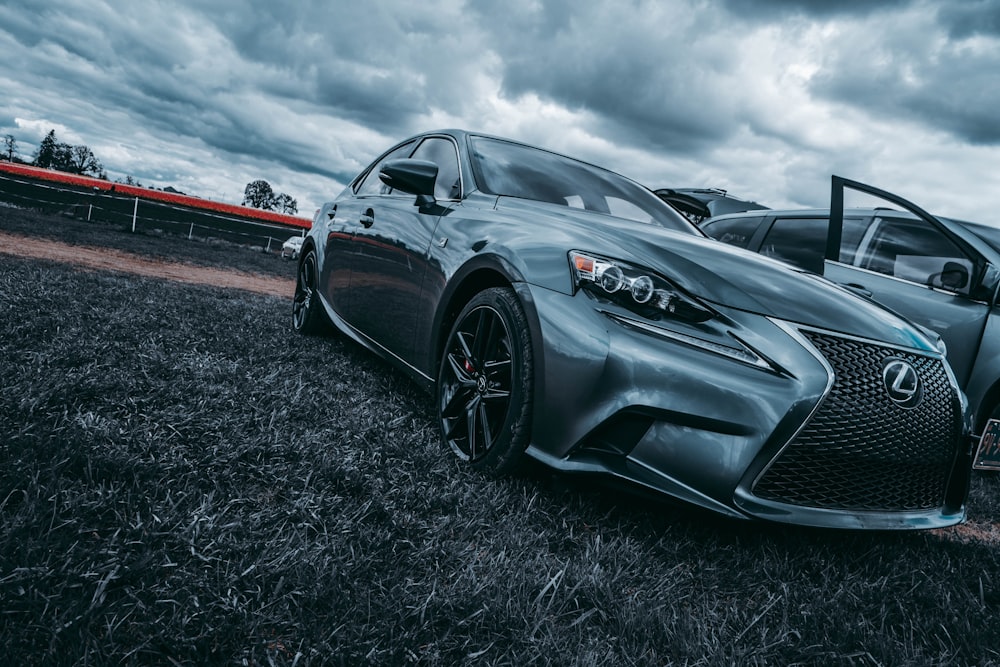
[142, 215]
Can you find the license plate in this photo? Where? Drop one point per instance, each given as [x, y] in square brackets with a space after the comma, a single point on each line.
[988, 454]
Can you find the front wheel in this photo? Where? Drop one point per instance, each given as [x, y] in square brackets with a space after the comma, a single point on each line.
[485, 383]
[308, 316]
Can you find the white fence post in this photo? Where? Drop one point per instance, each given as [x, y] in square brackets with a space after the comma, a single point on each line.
[135, 210]
[90, 209]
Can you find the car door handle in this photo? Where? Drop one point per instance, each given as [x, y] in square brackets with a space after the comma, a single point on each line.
[367, 220]
[859, 289]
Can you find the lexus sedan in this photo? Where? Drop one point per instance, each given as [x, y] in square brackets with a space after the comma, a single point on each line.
[563, 313]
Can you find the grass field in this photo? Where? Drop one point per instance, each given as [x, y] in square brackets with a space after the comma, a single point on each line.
[184, 481]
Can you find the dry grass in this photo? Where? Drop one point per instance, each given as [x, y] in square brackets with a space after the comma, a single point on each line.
[184, 481]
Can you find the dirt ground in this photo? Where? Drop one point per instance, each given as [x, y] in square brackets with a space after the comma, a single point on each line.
[109, 259]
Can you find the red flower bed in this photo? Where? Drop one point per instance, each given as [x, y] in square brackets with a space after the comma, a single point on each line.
[157, 195]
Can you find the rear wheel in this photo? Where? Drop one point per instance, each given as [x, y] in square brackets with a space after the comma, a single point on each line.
[485, 383]
[308, 316]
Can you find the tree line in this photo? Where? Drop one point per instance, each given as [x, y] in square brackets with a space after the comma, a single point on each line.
[54, 154]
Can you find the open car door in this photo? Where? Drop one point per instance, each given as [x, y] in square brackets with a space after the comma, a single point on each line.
[906, 259]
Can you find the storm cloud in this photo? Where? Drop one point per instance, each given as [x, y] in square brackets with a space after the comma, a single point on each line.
[766, 98]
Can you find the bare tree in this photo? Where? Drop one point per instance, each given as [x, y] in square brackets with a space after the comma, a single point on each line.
[10, 146]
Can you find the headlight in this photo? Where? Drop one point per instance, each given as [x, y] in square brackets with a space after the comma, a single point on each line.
[640, 290]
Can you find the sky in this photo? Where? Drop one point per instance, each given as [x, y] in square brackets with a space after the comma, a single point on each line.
[763, 98]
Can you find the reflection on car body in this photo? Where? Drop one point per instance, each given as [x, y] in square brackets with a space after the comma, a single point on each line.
[942, 274]
[562, 312]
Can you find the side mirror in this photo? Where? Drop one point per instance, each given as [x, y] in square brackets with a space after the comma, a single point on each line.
[415, 177]
[953, 277]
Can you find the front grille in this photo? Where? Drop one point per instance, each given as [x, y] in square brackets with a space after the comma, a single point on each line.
[862, 451]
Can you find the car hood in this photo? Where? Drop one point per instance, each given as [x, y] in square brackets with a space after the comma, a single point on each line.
[724, 275]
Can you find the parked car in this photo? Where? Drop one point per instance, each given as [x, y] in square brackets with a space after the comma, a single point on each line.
[562, 312]
[697, 204]
[940, 273]
[290, 248]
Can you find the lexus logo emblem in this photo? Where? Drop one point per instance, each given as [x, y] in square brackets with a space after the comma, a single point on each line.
[902, 382]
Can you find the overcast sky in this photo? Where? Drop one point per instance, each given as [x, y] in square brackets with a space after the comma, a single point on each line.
[764, 98]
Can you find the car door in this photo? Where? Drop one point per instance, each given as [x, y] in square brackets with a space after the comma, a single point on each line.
[342, 220]
[914, 265]
[390, 254]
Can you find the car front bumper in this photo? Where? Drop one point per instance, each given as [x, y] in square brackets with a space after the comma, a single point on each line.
[618, 395]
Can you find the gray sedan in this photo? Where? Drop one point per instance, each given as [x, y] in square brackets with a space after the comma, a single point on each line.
[564, 313]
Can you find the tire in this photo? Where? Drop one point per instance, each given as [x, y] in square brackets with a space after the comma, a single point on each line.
[485, 383]
[308, 316]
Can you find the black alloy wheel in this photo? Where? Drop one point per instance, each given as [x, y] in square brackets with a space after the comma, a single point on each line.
[307, 312]
[485, 383]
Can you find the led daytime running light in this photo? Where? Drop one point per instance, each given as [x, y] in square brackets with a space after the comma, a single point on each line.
[629, 284]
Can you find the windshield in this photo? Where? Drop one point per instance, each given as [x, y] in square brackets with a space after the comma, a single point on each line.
[515, 170]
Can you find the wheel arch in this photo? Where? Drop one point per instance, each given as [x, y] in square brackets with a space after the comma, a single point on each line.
[481, 273]
[308, 245]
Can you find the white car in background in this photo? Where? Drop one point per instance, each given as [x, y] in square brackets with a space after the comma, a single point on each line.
[290, 248]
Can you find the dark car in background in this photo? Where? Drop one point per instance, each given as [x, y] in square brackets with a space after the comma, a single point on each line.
[562, 312]
[940, 273]
[698, 204]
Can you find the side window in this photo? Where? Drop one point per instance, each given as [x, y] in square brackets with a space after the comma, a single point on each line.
[442, 153]
[734, 231]
[370, 184]
[854, 230]
[802, 241]
[798, 241]
[913, 250]
[621, 208]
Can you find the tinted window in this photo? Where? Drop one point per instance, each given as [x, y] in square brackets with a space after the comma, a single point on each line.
[798, 241]
[802, 241]
[371, 185]
[515, 170]
[734, 231]
[442, 153]
[913, 250]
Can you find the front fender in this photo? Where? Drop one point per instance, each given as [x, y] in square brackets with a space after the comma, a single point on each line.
[478, 273]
